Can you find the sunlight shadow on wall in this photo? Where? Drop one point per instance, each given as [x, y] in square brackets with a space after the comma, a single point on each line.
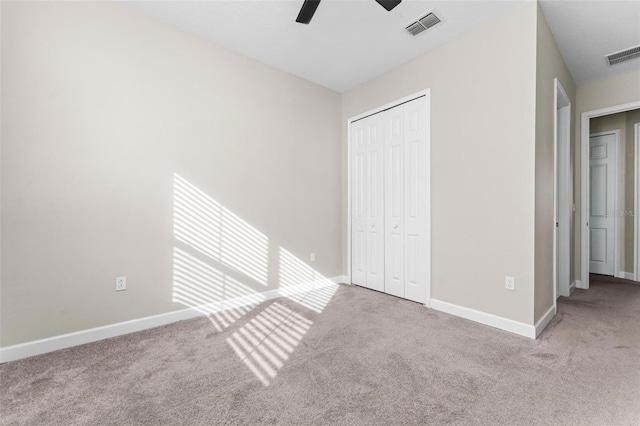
[202, 287]
[218, 263]
[267, 341]
[294, 273]
[202, 223]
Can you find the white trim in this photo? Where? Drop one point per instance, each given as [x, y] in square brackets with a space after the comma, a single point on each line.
[545, 320]
[349, 195]
[556, 190]
[427, 94]
[626, 276]
[562, 177]
[427, 194]
[491, 320]
[340, 279]
[584, 201]
[37, 347]
[579, 284]
[636, 207]
[575, 284]
[584, 179]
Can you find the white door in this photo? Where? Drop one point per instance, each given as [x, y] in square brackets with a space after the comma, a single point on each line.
[359, 203]
[406, 195]
[389, 219]
[394, 201]
[415, 200]
[368, 203]
[602, 164]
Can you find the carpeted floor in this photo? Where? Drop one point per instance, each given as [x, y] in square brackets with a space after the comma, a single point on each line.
[346, 356]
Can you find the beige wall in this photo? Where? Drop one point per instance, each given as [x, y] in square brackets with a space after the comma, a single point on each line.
[118, 130]
[100, 108]
[483, 160]
[624, 122]
[618, 90]
[549, 65]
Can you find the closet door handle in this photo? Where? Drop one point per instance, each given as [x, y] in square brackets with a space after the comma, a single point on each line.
[395, 226]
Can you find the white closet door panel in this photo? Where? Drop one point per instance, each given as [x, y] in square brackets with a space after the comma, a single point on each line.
[394, 201]
[412, 260]
[395, 262]
[358, 195]
[412, 173]
[373, 177]
[358, 258]
[415, 199]
[359, 204]
[374, 139]
[394, 182]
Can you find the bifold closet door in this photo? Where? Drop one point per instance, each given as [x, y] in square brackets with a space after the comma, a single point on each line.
[394, 201]
[389, 201]
[405, 200]
[367, 217]
[415, 213]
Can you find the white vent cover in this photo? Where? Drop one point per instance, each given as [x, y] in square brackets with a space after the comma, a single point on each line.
[429, 20]
[623, 55]
[415, 28]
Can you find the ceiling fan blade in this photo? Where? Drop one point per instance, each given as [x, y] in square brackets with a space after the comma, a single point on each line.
[388, 4]
[306, 12]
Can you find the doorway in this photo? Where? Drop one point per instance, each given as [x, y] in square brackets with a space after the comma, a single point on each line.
[585, 192]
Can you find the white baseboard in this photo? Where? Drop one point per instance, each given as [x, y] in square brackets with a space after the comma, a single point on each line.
[340, 279]
[579, 284]
[502, 323]
[545, 320]
[37, 347]
[626, 276]
[574, 284]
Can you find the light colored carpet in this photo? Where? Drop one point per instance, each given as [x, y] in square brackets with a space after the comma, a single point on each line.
[346, 356]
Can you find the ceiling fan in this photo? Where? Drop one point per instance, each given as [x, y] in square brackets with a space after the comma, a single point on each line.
[309, 8]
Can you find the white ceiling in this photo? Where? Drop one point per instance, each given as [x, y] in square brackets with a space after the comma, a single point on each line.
[350, 42]
[586, 31]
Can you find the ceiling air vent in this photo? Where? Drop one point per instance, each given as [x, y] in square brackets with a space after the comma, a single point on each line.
[623, 55]
[429, 20]
[415, 28]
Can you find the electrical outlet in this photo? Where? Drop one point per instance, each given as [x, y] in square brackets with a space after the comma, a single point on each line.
[509, 283]
[121, 283]
[312, 257]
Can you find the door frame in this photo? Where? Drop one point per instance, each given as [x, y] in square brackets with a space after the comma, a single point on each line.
[426, 93]
[584, 183]
[636, 210]
[562, 193]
